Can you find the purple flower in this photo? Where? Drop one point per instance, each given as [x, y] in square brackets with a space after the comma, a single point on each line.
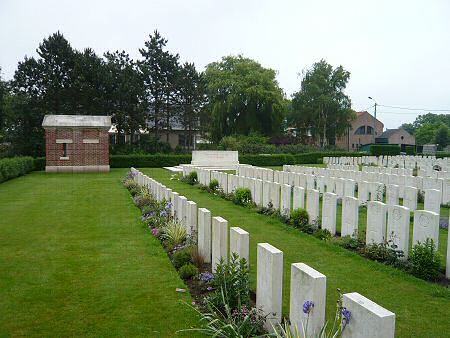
[308, 306]
[169, 205]
[155, 232]
[443, 223]
[163, 213]
[206, 276]
[346, 315]
[209, 288]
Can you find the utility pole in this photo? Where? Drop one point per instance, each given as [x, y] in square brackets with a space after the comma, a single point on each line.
[375, 120]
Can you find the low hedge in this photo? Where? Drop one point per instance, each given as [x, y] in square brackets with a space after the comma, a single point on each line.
[39, 163]
[148, 161]
[14, 167]
[384, 149]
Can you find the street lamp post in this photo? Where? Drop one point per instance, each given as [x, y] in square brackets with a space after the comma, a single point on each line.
[375, 120]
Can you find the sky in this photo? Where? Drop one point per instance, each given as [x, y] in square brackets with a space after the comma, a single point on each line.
[398, 52]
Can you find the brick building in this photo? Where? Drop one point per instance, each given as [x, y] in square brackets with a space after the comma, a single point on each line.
[364, 130]
[76, 143]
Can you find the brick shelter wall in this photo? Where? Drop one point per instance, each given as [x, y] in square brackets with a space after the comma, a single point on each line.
[79, 153]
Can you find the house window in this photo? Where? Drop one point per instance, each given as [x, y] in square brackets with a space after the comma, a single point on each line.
[353, 145]
[361, 130]
[65, 148]
[402, 138]
[369, 130]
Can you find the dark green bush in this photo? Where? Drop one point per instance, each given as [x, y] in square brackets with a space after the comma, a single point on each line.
[242, 196]
[188, 271]
[148, 161]
[425, 260]
[231, 278]
[213, 185]
[383, 252]
[323, 234]
[349, 243]
[191, 179]
[384, 149]
[299, 218]
[15, 167]
[181, 257]
[410, 150]
[39, 164]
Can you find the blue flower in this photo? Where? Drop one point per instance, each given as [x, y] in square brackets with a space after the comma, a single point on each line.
[308, 306]
[206, 276]
[346, 315]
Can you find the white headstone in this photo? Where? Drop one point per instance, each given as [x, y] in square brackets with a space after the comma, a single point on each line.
[350, 217]
[299, 198]
[307, 284]
[432, 200]
[329, 212]
[376, 222]
[312, 205]
[219, 247]
[204, 234]
[368, 319]
[426, 225]
[191, 217]
[240, 243]
[286, 200]
[269, 283]
[349, 188]
[275, 194]
[392, 194]
[410, 198]
[398, 227]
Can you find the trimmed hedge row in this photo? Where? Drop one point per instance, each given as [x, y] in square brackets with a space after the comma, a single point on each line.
[14, 167]
[384, 149]
[161, 160]
[39, 163]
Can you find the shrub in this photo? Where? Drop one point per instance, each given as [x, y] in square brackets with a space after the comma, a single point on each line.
[425, 260]
[383, 252]
[384, 149]
[181, 257]
[323, 234]
[299, 218]
[196, 257]
[174, 233]
[242, 196]
[192, 178]
[410, 150]
[231, 282]
[39, 163]
[349, 242]
[213, 185]
[188, 271]
[15, 167]
[148, 161]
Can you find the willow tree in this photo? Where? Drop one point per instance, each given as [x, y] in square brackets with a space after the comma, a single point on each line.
[244, 97]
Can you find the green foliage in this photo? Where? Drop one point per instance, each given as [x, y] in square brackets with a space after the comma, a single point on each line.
[148, 161]
[242, 196]
[323, 234]
[174, 233]
[425, 260]
[321, 107]
[410, 150]
[383, 252]
[299, 218]
[213, 185]
[191, 179]
[384, 149]
[39, 163]
[349, 243]
[181, 257]
[426, 126]
[231, 281]
[243, 97]
[442, 136]
[188, 271]
[14, 167]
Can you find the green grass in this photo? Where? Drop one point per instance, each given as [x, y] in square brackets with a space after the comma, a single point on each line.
[76, 261]
[421, 307]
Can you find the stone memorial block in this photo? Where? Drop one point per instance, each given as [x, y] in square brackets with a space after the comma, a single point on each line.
[320, 182]
[310, 182]
[433, 200]
[204, 234]
[302, 180]
[275, 194]
[181, 211]
[398, 228]
[376, 222]
[219, 248]
[426, 225]
[240, 243]
[269, 283]
[266, 193]
[349, 188]
[286, 200]
[223, 159]
[376, 191]
[258, 198]
[392, 194]
[299, 198]
[410, 198]
[175, 201]
[329, 212]
[350, 216]
[312, 205]
[363, 192]
[168, 195]
[191, 217]
[307, 284]
[368, 319]
[330, 183]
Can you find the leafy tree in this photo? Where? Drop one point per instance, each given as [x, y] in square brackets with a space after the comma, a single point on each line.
[124, 92]
[321, 107]
[191, 99]
[158, 69]
[243, 97]
[442, 136]
[3, 93]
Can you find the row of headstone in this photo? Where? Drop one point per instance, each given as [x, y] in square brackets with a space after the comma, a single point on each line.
[307, 284]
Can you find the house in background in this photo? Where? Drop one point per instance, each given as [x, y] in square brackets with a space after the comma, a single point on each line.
[364, 130]
[396, 136]
[76, 143]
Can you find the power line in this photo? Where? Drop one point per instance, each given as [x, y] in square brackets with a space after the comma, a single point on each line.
[407, 108]
[396, 113]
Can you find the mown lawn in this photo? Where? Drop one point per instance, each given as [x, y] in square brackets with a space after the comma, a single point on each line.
[421, 307]
[76, 261]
